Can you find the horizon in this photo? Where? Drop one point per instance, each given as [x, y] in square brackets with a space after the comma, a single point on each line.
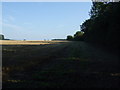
[43, 20]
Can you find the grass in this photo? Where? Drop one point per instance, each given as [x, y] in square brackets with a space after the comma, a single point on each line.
[66, 64]
[28, 42]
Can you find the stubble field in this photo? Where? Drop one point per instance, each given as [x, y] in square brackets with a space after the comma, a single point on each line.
[58, 64]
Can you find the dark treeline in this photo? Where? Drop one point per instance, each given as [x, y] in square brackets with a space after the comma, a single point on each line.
[1, 37]
[103, 26]
[78, 36]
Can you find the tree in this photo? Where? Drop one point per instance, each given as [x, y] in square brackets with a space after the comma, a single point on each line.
[69, 37]
[97, 9]
[78, 35]
[1, 37]
[103, 25]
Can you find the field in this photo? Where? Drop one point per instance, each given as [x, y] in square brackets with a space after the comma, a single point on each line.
[58, 64]
[28, 42]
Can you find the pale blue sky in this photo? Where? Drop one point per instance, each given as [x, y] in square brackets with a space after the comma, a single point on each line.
[39, 21]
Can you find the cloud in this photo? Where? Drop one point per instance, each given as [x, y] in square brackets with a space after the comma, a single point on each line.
[7, 22]
[9, 19]
[14, 27]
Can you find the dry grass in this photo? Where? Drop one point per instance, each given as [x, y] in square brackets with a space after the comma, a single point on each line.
[28, 42]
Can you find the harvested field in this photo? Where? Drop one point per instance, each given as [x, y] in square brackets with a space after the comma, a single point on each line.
[29, 42]
[61, 65]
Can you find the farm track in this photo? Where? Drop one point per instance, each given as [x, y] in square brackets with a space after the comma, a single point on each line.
[66, 65]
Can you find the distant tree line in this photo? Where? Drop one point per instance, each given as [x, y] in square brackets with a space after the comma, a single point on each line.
[103, 27]
[78, 36]
[2, 37]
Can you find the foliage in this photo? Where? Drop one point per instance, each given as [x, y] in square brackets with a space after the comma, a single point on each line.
[103, 26]
[77, 36]
[69, 37]
[1, 37]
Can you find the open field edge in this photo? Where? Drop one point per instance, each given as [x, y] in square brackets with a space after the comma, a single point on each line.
[28, 42]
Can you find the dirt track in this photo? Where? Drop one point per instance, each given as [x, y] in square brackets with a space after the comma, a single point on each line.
[73, 64]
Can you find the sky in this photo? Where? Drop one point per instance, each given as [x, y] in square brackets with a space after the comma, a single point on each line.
[43, 20]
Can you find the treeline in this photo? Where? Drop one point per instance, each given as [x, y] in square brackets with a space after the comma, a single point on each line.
[78, 36]
[103, 27]
[2, 37]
